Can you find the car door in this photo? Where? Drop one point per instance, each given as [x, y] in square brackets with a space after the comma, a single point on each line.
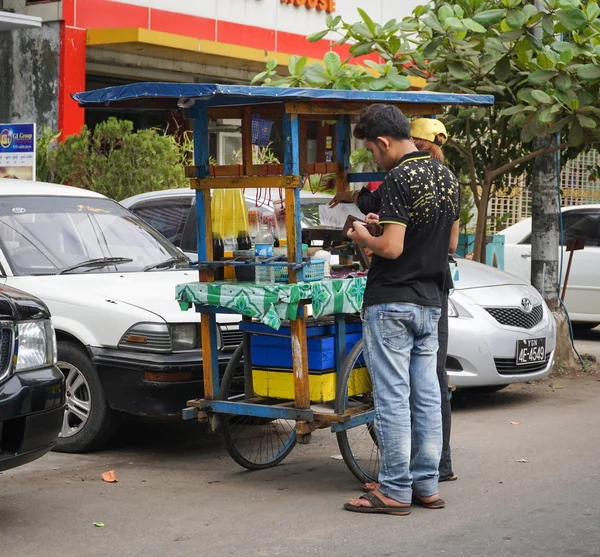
[167, 215]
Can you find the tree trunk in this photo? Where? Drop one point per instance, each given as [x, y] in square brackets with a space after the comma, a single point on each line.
[481, 230]
[545, 244]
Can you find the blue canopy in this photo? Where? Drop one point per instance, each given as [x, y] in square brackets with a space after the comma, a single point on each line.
[184, 94]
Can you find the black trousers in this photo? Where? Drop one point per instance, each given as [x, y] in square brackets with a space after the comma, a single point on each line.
[446, 460]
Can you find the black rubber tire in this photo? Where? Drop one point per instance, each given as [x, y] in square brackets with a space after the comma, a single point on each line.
[367, 473]
[103, 420]
[227, 423]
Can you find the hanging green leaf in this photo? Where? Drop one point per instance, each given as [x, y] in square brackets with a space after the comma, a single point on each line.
[472, 25]
[394, 45]
[576, 134]
[445, 12]
[531, 11]
[399, 82]
[563, 82]
[540, 77]
[548, 24]
[318, 36]
[431, 49]
[568, 4]
[432, 21]
[360, 49]
[516, 19]
[271, 65]
[368, 21]
[457, 70]
[503, 69]
[541, 97]
[586, 121]
[489, 17]
[572, 19]
[592, 10]
[546, 116]
[454, 23]
[379, 84]
[589, 71]
[333, 63]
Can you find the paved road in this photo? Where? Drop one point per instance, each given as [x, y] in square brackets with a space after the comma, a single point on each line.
[179, 498]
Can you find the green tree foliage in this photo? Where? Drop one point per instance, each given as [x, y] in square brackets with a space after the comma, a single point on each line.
[114, 160]
[543, 68]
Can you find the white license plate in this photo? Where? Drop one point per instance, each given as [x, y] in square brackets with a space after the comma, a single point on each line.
[531, 351]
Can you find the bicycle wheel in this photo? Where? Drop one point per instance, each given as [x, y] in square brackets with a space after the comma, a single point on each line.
[354, 392]
[254, 443]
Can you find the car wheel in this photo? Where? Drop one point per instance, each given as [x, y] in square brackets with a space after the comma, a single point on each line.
[88, 421]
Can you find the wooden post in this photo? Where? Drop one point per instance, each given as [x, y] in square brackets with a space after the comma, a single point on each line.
[247, 141]
[291, 143]
[342, 140]
[208, 323]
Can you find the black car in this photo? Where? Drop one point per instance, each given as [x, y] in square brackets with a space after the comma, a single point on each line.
[32, 394]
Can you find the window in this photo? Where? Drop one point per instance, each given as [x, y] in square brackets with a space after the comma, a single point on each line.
[168, 216]
[579, 225]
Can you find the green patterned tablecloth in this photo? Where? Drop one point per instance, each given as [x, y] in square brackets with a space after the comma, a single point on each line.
[272, 303]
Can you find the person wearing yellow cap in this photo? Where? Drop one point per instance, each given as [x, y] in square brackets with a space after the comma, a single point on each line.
[427, 134]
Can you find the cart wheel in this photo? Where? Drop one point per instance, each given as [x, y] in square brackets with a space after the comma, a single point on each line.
[254, 443]
[358, 445]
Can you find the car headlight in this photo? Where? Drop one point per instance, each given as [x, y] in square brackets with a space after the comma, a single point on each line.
[36, 345]
[160, 337]
[185, 337]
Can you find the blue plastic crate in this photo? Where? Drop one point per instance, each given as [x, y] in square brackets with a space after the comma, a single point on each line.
[312, 272]
[276, 351]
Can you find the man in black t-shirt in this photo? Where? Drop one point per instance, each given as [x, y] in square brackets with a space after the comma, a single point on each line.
[401, 310]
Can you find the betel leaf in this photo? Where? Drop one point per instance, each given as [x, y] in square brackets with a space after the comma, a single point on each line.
[503, 69]
[563, 82]
[572, 20]
[318, 36]
[488, 17]
[540, 77]
[516, 19]
[589, 71]
[586, 121]
[541, 97]
[457, 70]
[472, 25]
[445, 12]
[576, 134]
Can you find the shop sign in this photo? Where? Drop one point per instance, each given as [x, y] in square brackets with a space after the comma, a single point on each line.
[321, 5]
[17, 151]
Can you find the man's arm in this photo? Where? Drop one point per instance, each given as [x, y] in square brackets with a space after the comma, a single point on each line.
[454, 237]
[389, 245]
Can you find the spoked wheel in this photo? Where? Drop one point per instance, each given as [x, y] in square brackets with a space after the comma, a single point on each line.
[358, 445]
[254, 443]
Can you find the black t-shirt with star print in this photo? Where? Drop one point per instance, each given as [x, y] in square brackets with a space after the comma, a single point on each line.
[421, 194]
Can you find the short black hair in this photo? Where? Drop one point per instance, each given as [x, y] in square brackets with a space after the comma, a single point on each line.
[379, 120]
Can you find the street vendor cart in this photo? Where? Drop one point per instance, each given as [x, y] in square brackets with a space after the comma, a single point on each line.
[292, 374]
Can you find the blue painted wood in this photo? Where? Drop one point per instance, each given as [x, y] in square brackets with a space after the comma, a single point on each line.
[341, 348]
[215, 310]
[356, 420]
[257, 410]
[222, 95]
[291, 161]
[201, 155]
[366, 177]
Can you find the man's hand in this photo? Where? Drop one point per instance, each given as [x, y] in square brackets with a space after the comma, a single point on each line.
[372, 218]
[341, 197]
[359, 234]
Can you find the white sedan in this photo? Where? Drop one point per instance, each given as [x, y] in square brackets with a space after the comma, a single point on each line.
[501, 331]
[583, 289]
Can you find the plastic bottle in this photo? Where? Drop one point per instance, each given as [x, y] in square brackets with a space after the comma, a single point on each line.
[263, 246]
[325, 256]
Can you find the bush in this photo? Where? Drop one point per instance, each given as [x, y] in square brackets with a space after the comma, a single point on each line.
[115, 161]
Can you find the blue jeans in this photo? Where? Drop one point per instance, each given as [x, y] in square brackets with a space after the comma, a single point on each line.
[401, 344]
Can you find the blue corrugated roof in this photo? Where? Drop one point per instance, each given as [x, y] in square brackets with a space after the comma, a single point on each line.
[228, 95]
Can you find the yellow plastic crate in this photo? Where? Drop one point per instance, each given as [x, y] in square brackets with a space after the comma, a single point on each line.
[280, 384]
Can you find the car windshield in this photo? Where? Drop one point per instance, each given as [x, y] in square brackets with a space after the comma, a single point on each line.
[47, 235]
